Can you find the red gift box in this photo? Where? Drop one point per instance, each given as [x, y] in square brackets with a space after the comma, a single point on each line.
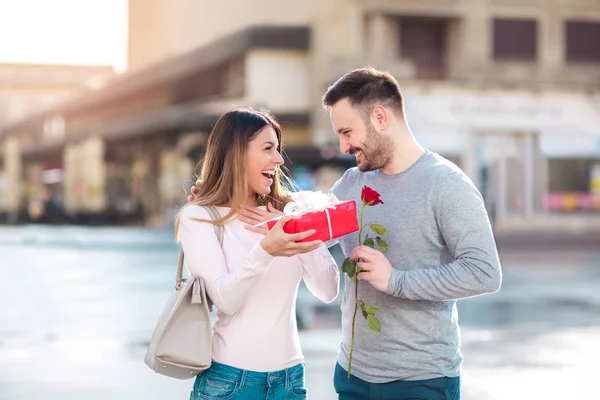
[341, 221]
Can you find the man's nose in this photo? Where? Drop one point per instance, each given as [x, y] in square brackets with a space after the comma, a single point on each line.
[344, 146]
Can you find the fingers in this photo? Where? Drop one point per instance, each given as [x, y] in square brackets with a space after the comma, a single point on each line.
[367, 249]
[282, 222]
[277, 229]
[304, 247]
[249, 219]
[194, 191]
[296, 237]
[292, 237]
[252, 216]
[364, 276]
[281, 243]
[263, 230]
[269, 213]
[358, 254]
[246, 220]
[365, 266]
[363, 253]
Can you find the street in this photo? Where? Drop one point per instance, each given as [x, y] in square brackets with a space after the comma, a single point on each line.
[78, 304]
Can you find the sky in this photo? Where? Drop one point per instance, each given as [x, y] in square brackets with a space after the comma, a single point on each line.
[81, 32]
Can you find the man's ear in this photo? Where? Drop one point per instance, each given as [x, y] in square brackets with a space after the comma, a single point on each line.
[380, 118]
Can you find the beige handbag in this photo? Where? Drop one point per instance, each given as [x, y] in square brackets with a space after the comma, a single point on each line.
[181, 344]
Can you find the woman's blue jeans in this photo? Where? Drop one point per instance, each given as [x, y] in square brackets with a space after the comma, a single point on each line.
[224, 382]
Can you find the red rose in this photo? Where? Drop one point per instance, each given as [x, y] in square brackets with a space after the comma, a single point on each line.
[370, 197]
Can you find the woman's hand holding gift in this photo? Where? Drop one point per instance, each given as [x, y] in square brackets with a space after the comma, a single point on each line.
[252, 216]
[279, 243]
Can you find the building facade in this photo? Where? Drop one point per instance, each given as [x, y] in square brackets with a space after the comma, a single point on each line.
[27, 89]
[509, 91]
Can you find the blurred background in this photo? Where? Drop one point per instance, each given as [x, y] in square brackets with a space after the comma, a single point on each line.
[105, 108]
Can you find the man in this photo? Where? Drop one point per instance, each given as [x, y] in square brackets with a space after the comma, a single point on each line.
[440, 248]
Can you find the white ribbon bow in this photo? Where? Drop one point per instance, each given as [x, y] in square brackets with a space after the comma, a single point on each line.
[307, 200]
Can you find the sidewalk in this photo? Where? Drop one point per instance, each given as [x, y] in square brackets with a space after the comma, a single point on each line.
[498, 365]
[81, 329]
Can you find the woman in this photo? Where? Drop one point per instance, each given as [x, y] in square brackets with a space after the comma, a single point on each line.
[253, 279]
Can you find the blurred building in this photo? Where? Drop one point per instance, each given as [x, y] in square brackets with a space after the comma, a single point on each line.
[27, 89]
[509, 91]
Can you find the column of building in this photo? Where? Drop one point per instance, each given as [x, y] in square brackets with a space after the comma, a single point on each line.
[12, 174]
[84, 178]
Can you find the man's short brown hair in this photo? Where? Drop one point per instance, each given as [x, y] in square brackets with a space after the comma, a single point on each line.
[365, 88]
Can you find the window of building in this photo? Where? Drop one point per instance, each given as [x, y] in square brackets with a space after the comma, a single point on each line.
[582, 41]
[422, 40]
[573, 186]
[515, 39]
[569, 175]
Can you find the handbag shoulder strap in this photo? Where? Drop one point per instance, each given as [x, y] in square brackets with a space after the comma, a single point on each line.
[219, 231]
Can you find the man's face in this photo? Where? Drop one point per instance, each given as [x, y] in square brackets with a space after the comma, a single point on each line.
[372, 149]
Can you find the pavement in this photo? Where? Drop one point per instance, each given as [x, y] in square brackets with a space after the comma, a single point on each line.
[77, 306]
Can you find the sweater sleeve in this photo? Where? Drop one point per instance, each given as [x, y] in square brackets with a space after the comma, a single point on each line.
[320, 273]
[204, 258]
[475, 269]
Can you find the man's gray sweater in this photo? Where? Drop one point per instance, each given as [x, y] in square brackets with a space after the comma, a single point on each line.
[441, 247]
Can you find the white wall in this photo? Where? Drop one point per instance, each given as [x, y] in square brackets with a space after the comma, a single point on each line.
[568, 123]
[278, 80]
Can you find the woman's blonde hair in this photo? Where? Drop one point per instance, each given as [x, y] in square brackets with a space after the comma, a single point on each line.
[223, 172]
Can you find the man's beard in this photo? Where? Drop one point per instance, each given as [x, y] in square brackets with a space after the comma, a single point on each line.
[379, 152]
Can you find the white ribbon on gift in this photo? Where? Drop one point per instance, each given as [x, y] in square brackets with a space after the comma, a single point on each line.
[308, 201]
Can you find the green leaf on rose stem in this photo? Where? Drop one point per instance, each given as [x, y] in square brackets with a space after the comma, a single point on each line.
[345, 265]
[349, 267]
[369, 242]
[371, 309]
[373, 323]
[381, 244]
[353, 272]
[378, 229]
[362, 305]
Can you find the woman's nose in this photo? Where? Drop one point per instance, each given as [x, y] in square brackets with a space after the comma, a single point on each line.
[278, 158]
